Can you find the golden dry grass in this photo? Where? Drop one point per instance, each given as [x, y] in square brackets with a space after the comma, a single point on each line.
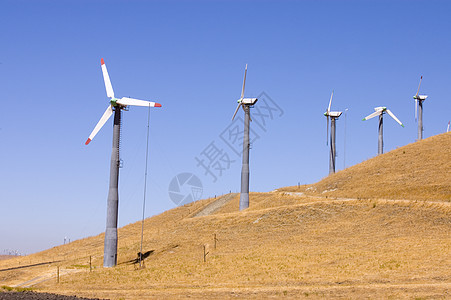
[286, 244]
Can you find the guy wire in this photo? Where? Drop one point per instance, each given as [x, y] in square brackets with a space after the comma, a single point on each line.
[145, 187]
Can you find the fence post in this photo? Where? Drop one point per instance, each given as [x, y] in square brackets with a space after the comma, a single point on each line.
[205, 254]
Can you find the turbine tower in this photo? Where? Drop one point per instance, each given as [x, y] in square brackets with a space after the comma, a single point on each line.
[419, 104]
[379, 111]
[246, 104]
[116, 105]
[333, 115]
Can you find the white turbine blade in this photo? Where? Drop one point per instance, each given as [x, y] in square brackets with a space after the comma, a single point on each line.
[421, 78]
[236, 110]
[137, 102]
[330, 102]
[447, 129]
[374, 114]
[244, 82]
[106, 78]
[394, 117]
[106, 115]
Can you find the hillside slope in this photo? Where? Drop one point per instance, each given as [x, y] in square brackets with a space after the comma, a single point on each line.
[294, 242]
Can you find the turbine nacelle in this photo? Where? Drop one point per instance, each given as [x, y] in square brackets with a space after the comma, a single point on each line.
[380, 108]
[248, 101]
[334, 114]
[420, 97]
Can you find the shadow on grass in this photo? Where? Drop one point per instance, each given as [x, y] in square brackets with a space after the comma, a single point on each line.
[141, 256]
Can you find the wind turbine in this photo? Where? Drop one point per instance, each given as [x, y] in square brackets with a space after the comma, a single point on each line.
[333, 115]
[246, 104]
[116, 105]
[419, 104]
[379, 111]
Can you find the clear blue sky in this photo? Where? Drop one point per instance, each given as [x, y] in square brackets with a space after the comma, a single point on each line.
[190, 57]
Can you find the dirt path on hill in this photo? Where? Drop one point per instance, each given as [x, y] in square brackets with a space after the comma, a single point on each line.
[46, 276]
[216, 205]
[404, 201]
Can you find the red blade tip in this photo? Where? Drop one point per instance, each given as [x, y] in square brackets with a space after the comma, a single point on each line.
[88, 141]
[102, 62]
[157, 105]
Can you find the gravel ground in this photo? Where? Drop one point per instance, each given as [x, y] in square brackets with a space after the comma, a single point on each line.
[37, 296]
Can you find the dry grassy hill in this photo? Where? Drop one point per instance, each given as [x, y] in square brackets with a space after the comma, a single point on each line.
[344, 237]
